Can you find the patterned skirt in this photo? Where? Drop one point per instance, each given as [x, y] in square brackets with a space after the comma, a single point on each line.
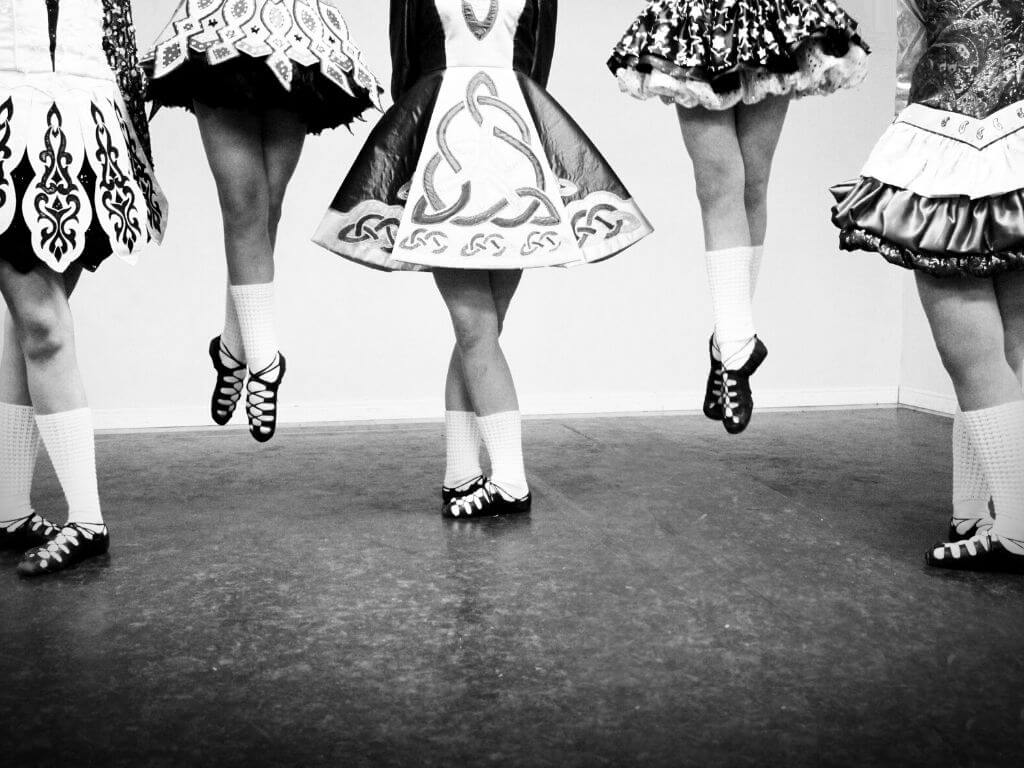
[76, 184]
[942, 193]
[257, 55]
[479, 168]
[718, 53]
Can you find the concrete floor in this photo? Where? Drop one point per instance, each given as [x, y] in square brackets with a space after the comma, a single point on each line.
[677, 598]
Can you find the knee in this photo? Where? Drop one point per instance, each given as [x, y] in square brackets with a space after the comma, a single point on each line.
[720, 184]
[474, 332]
[42, 335]
[968, 362]
[755, 191]
[244, 207]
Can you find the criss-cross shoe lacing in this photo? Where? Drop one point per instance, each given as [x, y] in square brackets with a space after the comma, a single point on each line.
[230, 382]
[728, 397]
[261, 400]
[967, 527]
[983, 551]
[958, 550]
[59, 552]
[34, 524]
[470, 505]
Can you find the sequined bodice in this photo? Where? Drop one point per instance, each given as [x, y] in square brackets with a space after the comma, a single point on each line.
[973, 63]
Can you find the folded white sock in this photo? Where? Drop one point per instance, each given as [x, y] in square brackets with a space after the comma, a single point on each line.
[254, 307]
[730, 277]
[971, 494]
[231, 337]
[997, 434]
[755, 267]
[71, 443]
[462, 443]
[19, 447]
[503, 435]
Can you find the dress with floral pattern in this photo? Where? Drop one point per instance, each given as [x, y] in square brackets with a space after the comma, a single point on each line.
[943, 190]
[718, 53]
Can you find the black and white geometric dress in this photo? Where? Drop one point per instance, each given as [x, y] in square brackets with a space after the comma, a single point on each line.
[76, 178]
[256, 55]
[719, 53]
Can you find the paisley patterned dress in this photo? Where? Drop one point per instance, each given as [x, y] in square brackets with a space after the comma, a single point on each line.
[718, 53]
[76, 179]
[476, 166]
[254, 55]
[943, 190]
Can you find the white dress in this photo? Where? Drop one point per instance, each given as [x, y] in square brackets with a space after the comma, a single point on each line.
[76, 181]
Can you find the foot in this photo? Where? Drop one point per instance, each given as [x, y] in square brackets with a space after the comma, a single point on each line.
[68, 547]
[963, 528]
[230, 381]
[737, 399]
[713, 392]
[983, 552]
[261, 399]
[22, 535]
[485, 501]
[447, 494]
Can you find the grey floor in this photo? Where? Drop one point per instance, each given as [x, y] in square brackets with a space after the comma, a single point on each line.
[678, 597]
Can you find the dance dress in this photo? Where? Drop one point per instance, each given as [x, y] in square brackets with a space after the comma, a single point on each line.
[76, 178]
[476, 166]
[943, 190]
[257, 55]
[718, 53]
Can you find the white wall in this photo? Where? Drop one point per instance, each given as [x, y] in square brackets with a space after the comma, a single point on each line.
[627, 335]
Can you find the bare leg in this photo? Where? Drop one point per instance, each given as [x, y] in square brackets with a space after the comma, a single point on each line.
[714, 148]
[968, 328]
[470, 300]
[13, 374]
[283, 138]
[1010, 294]
[758, 128]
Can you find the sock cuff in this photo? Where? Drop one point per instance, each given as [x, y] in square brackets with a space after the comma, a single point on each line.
[500, 419]
[77, 416]
[739, 251]
[17, 414]
[257, 290]
[996, 416]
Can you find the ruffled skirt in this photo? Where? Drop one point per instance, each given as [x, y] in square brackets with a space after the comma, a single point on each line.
[75, 182]
[942, 193]
[257, 55]
[718, 53]
[480, 169]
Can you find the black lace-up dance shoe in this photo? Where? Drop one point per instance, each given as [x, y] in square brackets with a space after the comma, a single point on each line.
[485, 501]
[261, 400]
[230, 382]
[983, 552]
[737, 399]
[713, 393]
[68, 547]
[963, 528]
[447, 494]
[31, 531]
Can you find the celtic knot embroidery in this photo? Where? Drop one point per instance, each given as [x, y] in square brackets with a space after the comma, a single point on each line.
[604, 221]
[538, 242]
[57, 204]
[480, 29]
[116, 195]
[521, 206]
[372, 228]
[437, 242]
[485, 245]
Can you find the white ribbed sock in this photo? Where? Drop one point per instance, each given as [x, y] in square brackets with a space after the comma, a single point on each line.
[503, 435]
[462, 441]
[231, 337]
[997, 435]
[254, 307]
[730, 278]
[71, 443]
[19, 447]
[971, 495]
[755, 267]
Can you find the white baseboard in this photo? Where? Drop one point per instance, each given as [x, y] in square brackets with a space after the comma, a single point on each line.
[926, 400]
[537, 405]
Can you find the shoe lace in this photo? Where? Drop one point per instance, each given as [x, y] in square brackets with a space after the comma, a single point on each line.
[69, 537]
[230, 382]
[261, 398]
[728, 397]
[464, 506]
[956, 550]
